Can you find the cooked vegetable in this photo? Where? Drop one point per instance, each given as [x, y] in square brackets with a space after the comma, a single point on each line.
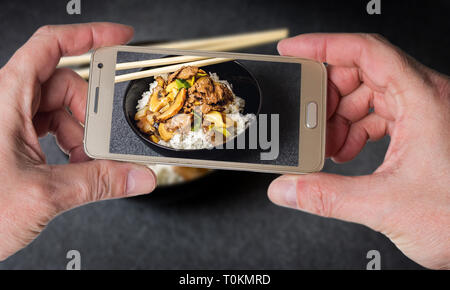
[164, 133]
[175, 107]
[171, 95]
[191, 81]
[201, 73]
[150, 118]
[163, 109]
[216, 118]
[182, 84]
[156, 102]
[141, 113]
[172, 86]
[154, 138]
[146, 127]
[197, 120]
[160, 81]
[187, 100]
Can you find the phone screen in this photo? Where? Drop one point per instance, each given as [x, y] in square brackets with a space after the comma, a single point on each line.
[197, 107]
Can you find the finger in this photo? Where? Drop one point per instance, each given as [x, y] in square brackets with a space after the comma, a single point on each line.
[38, 58]
[372, 127]
[356, 105]
[365, 51]
[332, 99]
[337, 130]
[346, 79]
[67, 130]
[65, 88]
[338, 49]
[80, 183]
[355, 199]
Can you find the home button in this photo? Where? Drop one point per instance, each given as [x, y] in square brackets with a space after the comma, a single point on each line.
[311, 115]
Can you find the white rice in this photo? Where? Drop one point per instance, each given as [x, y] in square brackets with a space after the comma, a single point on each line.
[198, 139]
[241, 121]
[146, 96]
[190, 140]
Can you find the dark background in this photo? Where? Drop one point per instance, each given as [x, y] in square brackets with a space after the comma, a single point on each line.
[206, 224]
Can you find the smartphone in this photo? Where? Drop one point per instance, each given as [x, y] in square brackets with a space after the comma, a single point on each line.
[215, 110]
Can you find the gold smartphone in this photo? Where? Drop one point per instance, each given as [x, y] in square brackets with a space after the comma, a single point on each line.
[215, 110]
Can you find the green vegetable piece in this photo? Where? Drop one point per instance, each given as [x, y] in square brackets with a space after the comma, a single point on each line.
[197, 119]
[196, 127]
[182, 84]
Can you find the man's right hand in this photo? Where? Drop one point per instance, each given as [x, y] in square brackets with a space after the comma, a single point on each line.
[408, 197]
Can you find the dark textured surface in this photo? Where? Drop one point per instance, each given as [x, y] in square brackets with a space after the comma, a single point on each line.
[206, 224]
[280, 87]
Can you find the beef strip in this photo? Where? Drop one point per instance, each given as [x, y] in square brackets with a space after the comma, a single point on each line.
[203, 85]
[180, 122]
[209, 95]
[210, 92]
[183, 73]
[222, 93]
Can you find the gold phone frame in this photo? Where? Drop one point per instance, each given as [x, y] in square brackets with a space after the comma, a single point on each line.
[98, 124]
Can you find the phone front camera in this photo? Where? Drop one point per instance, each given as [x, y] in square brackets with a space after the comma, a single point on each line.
[100, 65]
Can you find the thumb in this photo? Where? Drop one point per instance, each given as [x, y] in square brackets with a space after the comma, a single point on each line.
[355, 199]
[76, 184]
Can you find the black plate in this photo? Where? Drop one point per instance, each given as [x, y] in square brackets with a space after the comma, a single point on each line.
[244, 86]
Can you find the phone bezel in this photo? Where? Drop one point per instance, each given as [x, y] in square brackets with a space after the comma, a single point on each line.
[98, 124]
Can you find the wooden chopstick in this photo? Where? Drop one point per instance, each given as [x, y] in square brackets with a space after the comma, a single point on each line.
[276, 34]
[251, 41]
[167, 69]
[157, 62]
[84, 73]
[263, 36]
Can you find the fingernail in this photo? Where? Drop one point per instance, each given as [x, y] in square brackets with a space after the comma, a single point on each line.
[279, 47]
[335, 161]
[283, 191]
[140, 181]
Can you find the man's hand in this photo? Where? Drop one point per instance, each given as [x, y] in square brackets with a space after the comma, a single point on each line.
[408, 197]
[33, 102]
